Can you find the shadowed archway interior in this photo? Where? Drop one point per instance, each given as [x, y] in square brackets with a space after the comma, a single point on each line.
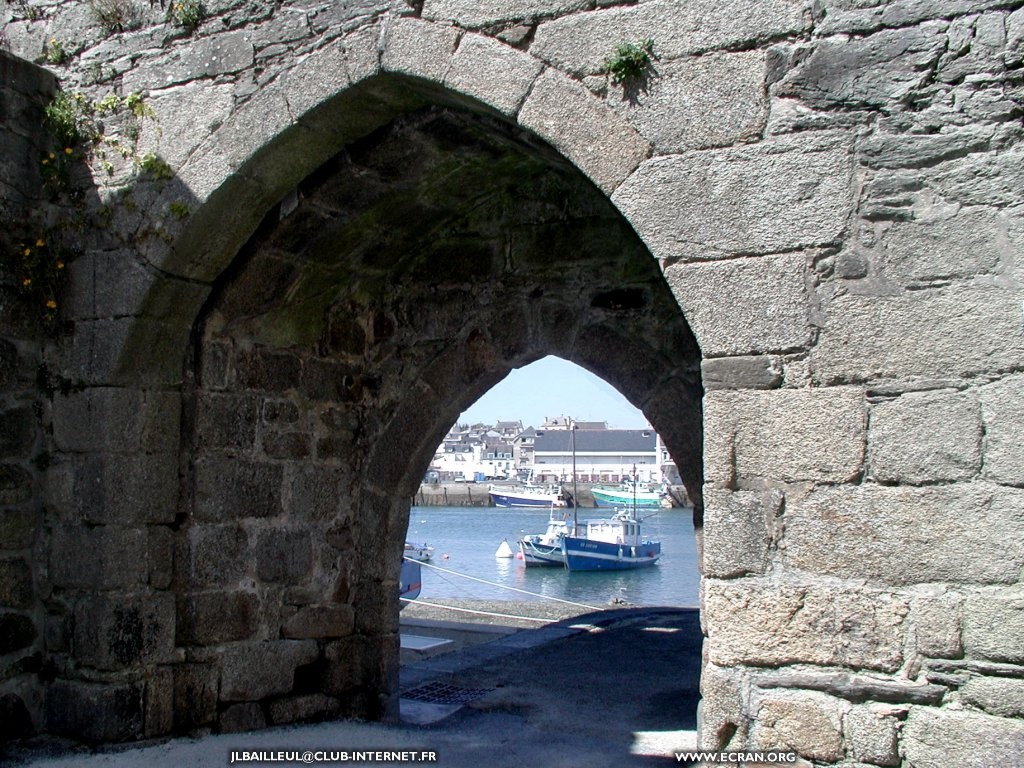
[393, 287]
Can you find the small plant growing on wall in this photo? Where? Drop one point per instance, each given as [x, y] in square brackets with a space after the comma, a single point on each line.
[186, 14]
[116, 15]
[54, 52]
[630, 61]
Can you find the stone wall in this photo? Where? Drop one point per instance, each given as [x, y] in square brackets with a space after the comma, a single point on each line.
[24, 90]
[833, 194]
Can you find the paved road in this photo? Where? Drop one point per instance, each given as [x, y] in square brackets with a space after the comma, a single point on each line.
[617, 688]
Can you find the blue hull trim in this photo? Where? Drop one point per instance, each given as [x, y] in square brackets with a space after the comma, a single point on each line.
[505, 500]
[586, 555]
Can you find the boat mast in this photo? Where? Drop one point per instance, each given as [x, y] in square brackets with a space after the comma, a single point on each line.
[575, 502]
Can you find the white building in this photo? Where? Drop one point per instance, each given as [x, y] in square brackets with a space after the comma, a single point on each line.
[602, 455]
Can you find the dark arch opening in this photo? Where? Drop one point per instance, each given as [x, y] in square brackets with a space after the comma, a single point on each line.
[395, 285]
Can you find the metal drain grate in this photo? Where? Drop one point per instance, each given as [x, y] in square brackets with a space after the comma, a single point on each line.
[442, 693]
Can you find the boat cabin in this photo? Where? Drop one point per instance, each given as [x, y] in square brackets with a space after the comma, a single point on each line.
[617, 530]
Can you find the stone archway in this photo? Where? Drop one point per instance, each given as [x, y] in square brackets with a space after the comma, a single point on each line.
[398, 282]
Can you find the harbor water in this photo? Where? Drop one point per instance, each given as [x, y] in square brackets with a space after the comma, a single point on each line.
[465, 540]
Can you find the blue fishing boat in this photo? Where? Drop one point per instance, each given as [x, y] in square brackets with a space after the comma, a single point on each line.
[528, 494]
[409, 582]
[610, 544]
[546, 548]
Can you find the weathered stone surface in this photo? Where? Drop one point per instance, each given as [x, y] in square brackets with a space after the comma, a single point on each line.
[117, 420]
[242, 717]
[762, 435]
[416, 48]
[478, 13]
[17, 528]
[15, 719]
[938, 738]
[995, 695]
[209, 618]
[855, 688]
[195, 695]
[17, 433]
[228, 421]
[863, 530]
[601, 144]
[15, 488]
[994, 624]
[872, 732]
[188, 114]
[780, 194]
[17, 631]
[114, 632]
[719, 300]
[276, 662]
[93, 711]
[1002, 406]
[854, 16]
[757, 372]
[753, 622]
[319, 621]
[228, 489]
[494, 73]
[205, 58]
[313, 706]
[938, 621]
[937, 334]
[158, 702]
[127, 490]
[102, 557]
[739, 527]
[15, 583]
[877, 71]
[314, 491]
[284, 555]
[913, 150]
[720, 725]
[924, 438]
[709, 101]
[987, 178]
[582, 43]
[807, 723]
[217, 555]
[971, 243]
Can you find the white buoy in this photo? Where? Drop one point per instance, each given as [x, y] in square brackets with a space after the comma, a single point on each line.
[504, 550]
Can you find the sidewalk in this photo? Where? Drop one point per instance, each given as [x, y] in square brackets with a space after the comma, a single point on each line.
[613, 688]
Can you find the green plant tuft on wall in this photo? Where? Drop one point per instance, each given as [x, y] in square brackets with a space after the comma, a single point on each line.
[630, 61]
[187, 14]
[116, 15]
[54, 53]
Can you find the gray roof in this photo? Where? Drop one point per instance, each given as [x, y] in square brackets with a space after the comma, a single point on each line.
[597, 441]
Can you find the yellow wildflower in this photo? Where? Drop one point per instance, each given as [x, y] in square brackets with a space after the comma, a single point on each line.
[26, 282]
[27, 252]
[40, 243]
[60, 265]
[68, 150]
[51, 304]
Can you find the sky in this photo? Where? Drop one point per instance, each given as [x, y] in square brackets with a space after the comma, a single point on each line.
[553, 387]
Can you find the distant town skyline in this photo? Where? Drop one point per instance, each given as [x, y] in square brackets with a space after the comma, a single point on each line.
[553, 387]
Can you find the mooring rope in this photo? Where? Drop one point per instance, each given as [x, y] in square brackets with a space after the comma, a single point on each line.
[505, 586]
[478, 613]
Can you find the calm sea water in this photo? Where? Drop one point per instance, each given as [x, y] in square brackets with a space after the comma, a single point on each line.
[470, 536]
